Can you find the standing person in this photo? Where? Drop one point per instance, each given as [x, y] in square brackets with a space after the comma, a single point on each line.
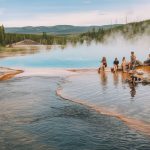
[132, 61]
[103, 64]
[116, 63]
[123, 65]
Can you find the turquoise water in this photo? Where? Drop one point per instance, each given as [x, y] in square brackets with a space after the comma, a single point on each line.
[80, 56]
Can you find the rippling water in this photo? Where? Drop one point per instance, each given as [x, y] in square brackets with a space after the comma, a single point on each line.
[108, 93]
[33, 117]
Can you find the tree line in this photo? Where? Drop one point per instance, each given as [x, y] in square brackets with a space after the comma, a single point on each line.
[11, 38]
[99, 35]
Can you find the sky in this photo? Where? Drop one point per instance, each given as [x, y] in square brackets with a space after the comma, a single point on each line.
[18, 13]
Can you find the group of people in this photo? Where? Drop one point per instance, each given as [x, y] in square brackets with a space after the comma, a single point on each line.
[124, 64]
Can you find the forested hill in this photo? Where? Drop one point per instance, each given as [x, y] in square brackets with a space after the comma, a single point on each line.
[128, 31]
[55, 30]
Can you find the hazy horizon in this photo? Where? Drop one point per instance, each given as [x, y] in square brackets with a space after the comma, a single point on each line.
[61, 25]
[73, 25]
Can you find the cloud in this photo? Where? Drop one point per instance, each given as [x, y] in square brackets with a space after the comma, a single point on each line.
[95, 17]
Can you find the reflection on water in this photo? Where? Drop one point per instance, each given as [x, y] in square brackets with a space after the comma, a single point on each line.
[124, 77]
[108, 92]
[103, 78]
[32, 117]
[10, 52]
[115, 79]
[133, 89]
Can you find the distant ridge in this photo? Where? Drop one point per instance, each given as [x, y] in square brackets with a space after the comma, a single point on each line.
[57, 30]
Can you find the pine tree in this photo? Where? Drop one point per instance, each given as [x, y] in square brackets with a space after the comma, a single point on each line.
[2, 35]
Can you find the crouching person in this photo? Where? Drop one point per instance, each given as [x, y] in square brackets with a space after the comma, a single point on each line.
[103, 64]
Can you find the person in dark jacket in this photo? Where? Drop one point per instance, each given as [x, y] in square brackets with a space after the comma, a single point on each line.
[116, 64]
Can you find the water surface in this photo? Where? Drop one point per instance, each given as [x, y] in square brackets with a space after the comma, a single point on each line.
[33, 117]
[79, 56]
[110, 94]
